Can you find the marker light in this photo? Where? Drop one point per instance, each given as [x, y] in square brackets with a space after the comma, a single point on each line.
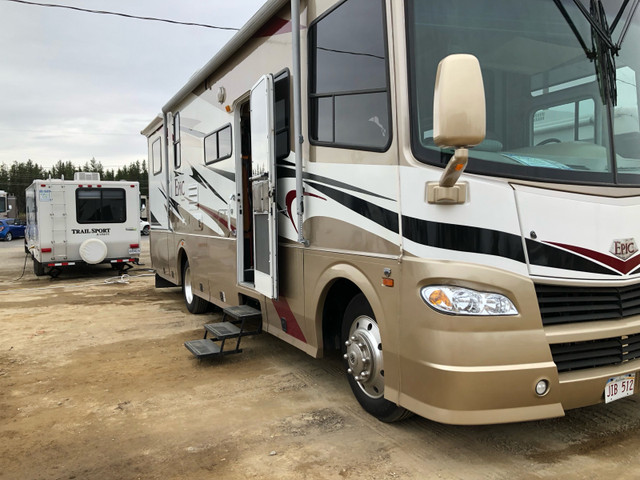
[464, 301]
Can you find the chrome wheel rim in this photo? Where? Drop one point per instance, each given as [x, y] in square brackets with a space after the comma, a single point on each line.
[188, 292]
[364, 356]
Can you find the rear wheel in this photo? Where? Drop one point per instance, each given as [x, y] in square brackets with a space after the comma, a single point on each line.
[194, 303]
[363, 360]
[8, 237]
[38, 268]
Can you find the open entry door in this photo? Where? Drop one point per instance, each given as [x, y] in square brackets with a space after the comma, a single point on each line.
[263, 185]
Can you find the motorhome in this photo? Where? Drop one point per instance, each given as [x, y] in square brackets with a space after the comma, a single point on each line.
[82, 221]
[7, 205]
[447, 193]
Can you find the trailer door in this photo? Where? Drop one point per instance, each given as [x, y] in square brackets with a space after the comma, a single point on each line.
[263, 172]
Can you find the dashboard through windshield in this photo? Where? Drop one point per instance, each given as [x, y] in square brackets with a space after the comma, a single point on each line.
[562, 106]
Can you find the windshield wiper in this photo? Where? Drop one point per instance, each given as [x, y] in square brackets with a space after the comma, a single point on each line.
[627, 23]
[603, 49]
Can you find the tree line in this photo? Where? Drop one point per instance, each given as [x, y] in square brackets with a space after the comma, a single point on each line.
[14, 179]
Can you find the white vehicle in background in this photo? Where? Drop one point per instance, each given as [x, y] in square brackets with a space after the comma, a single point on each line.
[7, 205]
[84, 220]
[145, 227]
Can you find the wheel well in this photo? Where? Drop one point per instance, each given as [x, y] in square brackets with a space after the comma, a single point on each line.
[338, 297]
[182, 259]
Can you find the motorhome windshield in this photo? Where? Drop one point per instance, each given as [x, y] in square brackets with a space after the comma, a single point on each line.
[561, 85]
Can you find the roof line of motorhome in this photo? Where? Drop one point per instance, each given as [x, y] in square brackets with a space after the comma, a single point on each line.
[267, 11]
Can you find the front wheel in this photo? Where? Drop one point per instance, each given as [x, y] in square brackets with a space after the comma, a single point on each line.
[194, 303]
[363, 359]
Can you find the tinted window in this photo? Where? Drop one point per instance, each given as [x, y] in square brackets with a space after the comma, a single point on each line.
[177, 150]
[218, 145]
[349, 93]
[156, 157]
[282, 113]
[106, 205]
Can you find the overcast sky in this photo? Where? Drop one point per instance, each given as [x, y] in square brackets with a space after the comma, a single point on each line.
[75, 85]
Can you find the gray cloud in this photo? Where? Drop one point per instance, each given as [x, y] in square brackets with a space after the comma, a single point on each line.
[75, 85]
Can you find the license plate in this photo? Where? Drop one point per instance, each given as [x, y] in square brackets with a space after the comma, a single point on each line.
[619, 387]
[134, 251]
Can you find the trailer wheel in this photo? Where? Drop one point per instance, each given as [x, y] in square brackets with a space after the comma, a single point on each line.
[38, 268]
[194, 303]
[363, 360]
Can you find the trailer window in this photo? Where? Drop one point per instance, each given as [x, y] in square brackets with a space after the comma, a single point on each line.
[217, 145]
[101, 205]
[348, 77]
[156, 157]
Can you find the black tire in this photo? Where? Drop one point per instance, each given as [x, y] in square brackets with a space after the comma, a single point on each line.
[145, 230]
[362, 353]
[194, 303]
[38, 268]
[8, 237]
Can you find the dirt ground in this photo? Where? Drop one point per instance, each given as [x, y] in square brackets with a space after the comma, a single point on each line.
[95, 383]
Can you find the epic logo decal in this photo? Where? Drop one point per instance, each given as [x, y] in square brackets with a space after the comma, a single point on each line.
[624, 248]
[178, 187]
[92, 231]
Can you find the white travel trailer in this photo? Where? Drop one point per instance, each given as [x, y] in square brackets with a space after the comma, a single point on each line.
[7, 205]
[84, 220]
[467, 238]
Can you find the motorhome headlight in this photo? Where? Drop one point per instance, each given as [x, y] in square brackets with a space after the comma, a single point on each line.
[465, 301]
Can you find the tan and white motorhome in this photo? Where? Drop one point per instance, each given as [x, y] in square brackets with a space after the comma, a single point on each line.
[82, 221]
[446, 192]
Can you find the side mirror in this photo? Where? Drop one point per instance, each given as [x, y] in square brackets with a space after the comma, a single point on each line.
[458, 111]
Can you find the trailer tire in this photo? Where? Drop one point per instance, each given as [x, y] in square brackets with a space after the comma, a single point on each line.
[194, 303]
[38, 268]
[362, 353]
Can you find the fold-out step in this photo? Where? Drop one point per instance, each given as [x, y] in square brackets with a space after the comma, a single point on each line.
[221, 330]
[202, 348]
[243, 321]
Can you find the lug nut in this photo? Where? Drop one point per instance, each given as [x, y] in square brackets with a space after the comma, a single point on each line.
[349, 371]
[348, 343]
[353, 338]
[345, 356]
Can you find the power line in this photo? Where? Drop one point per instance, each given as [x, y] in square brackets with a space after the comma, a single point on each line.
[126, 15]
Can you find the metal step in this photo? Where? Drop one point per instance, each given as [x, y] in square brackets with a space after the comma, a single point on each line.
[202, 348]
[242, 313]
[222, 330]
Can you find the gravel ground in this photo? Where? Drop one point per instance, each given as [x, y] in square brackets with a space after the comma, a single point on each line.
[96, 384]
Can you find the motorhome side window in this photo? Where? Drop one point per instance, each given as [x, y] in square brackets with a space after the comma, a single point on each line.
[281, 87]
[348, 78]
[156, 157]
[3, 205]
[177, 151]
[217, 145]
[101, 205]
